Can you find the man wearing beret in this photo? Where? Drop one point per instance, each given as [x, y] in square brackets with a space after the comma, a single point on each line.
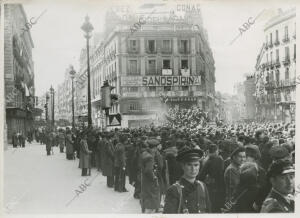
[281, 174]
[188, 195]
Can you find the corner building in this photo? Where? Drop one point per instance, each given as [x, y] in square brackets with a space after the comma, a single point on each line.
[164, 63]
[276, 69]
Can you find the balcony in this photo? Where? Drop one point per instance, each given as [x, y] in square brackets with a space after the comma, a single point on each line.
[271, 45]
[277, 63]
[185, 72]
[288, 82]
[277, 42]
[271, 85]
[167, 72]
[286, 39]
[272, 64]
[286, 61]
[266, 46]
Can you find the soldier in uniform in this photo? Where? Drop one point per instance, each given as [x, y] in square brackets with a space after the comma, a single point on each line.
[281, 174]
[188, 195]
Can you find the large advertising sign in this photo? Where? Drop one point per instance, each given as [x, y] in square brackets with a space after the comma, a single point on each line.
[161, 80]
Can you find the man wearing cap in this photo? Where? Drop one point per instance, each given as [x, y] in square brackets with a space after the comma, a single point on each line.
[188, 195]
[232, 172]
[281, 174]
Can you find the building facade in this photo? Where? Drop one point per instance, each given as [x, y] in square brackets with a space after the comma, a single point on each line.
[249, 93]
[275, 74]
[18, 71]
[164, 63]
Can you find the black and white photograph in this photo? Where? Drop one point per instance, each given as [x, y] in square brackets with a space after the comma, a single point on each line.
[148, 107]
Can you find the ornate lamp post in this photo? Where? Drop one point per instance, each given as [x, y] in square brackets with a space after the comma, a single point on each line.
[52, 114]
[46, 107]
[88, 28]
[72, 75]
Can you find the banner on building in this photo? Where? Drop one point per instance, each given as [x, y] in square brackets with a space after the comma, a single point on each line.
[161, 80]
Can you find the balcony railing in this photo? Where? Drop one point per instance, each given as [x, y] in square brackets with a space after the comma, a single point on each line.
[266, 46]
[271, 45]
[286, 61]
[185, 72]
[288, 82]
[277, 63]
[277, 42]
[286, 39]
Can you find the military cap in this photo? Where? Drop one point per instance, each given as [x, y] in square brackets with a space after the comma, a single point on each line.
[280, 167]
[278, 152]
[186, 155]
[152, 142]
[253, 151]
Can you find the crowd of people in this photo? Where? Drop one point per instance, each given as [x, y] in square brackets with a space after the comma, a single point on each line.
[239, 168]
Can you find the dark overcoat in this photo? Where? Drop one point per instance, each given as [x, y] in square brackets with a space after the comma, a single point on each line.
[84, 161]
[150, 191]
[69, 144]
[107, 158]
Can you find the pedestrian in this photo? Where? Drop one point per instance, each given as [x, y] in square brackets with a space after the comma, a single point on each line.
[14, 140]
[108, 160]
[69, 145]
[280, 199]
[150, 188]
[61, 140]
[212, 175]
[120, 164]
[48, 142]
[232, 172]
[188, 195]
[85, 155]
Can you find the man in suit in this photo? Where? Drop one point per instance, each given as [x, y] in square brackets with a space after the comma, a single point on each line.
[282, 177]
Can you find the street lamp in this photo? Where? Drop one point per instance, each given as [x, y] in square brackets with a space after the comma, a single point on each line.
[87, 27]
[46, 107]
[52, 95]
[72, 75]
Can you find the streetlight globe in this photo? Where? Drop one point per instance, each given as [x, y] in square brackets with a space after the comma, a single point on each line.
[87, 27]
[72, 72]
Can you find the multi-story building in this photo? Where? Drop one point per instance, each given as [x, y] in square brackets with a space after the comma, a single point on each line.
[249, 93]
[18, 71]
[276, 69]
[162, 59]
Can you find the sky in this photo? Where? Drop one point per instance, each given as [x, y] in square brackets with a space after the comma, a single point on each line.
[58, 38]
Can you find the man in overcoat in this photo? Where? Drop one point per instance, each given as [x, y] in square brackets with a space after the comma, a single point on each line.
[85, 159]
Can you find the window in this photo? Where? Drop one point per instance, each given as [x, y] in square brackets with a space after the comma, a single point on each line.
[151, 67]
[277, 55]
[287, 73]
[152, 88]
[267, 57]
[184, 46]
[185, 88]
[133, 89]
[266, 39]
[295, 51]
[276, 35]
[287, 53]
[271, 40]
[133, 45]
[166, 64]
[184, 64]
[134, 106]
[167, 45]
[277, 76]
[286, 32]
[271, 56]
[133, 67]
[151, 46]
[167, 88]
